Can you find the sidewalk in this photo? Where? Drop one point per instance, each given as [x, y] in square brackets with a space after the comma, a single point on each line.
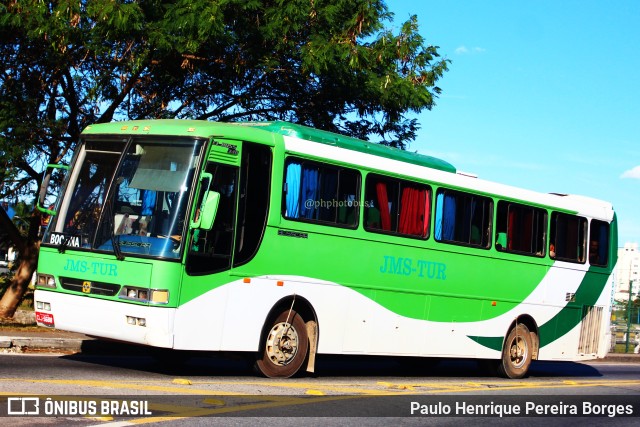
[22, 335]
[36, 340]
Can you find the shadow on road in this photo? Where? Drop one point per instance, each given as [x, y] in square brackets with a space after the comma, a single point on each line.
[172, 362]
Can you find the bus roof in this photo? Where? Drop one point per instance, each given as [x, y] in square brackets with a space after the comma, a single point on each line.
[442, 171]
[330, 138]
[207, 129]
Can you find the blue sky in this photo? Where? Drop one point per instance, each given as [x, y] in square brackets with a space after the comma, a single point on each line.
[543, 95]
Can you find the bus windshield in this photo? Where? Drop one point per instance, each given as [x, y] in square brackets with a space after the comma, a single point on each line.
[135, 203]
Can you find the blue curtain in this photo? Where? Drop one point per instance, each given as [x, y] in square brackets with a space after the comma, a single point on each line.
[449, 223]
[438, 220]
[148, 202]
[293, 190]
[309, 193]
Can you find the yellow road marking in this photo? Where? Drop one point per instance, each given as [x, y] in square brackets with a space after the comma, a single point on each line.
[379, 388]
[99, 418]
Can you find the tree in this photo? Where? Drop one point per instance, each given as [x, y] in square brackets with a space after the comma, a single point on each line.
[327, 64]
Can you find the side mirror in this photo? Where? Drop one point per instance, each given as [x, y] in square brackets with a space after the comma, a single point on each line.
[205, 183]
[209, 210]
[45, 186]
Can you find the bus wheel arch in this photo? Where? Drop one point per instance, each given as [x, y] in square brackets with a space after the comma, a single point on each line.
[532, 326]
[520, 348]
[288, 340]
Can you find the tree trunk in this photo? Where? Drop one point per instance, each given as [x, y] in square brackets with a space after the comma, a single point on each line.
[27, 263]
[28, 250]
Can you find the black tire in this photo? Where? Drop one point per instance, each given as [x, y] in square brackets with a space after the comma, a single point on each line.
[285, 346]
[517, 353]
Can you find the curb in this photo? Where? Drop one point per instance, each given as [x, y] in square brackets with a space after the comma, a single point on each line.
[619, 358]
[23, 344]
[70, 345]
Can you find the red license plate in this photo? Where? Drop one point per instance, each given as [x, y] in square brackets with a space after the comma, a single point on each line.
[44, 318]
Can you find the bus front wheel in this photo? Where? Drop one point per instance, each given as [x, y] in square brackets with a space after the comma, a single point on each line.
[517, 353]
[284, 347]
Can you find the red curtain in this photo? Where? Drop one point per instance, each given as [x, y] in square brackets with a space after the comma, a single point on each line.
[412, 217]
[383, 202]
[427, 210]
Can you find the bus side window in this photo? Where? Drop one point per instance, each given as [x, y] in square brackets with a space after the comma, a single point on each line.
[463, 218]
[320, 193]
[210, 251]
[397, 206]
[520, 229]
[568, 237]
[599, 243]
[253, 200]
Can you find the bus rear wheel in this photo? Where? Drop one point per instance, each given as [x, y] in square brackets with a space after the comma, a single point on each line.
[285, 346]
[517, 353]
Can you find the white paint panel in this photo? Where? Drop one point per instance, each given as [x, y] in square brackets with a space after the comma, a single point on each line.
[349, 323]
[106, 319]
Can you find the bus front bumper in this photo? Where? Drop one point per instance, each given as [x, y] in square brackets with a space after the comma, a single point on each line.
[121, 321]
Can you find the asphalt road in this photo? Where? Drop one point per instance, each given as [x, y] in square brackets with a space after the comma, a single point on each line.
[216, 391]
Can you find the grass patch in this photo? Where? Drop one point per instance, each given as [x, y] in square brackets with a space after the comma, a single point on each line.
[27, 301]
[620, 348]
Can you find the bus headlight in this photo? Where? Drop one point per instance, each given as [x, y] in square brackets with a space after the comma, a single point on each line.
[136, 293]
[154, 296]
[136, 321]
[45, 281]
[40, 305]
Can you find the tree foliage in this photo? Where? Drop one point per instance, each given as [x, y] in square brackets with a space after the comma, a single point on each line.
[328, 64]
[337, 65]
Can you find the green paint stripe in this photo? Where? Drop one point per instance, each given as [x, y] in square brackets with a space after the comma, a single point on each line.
[571, 315]
[494, 343]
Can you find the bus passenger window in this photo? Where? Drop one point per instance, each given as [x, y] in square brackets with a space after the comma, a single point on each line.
[568, 237]
[599, 243]
[463, 218]
[521, 229]
[397, 206]
[320, 193]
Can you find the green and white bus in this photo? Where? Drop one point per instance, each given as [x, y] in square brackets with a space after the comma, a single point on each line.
[285, 242]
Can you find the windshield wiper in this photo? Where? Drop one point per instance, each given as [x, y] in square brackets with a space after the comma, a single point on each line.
[65, 243]
[115, 239]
